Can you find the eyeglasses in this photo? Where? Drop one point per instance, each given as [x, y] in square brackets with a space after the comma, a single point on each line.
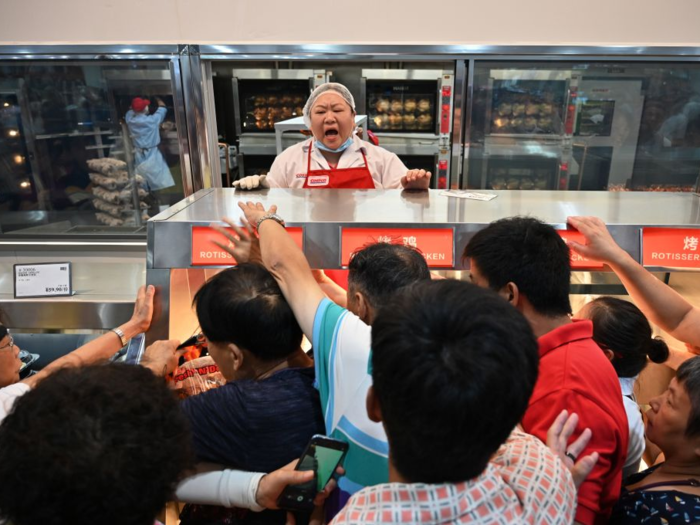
[8, 346]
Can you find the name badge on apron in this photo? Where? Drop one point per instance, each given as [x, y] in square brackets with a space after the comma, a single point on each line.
[315, 181]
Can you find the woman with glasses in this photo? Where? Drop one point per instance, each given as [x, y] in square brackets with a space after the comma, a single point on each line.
[625, 335]
[161, 357]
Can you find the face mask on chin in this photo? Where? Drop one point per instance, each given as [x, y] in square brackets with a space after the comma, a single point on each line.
[345, 145]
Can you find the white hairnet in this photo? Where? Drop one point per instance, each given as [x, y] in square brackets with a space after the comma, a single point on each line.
[320, 90]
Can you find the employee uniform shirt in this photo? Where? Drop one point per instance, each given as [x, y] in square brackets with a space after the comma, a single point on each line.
[9, 396]
[575, 375]
[290, 167]
[145, 128]
[637, 443]
[525, 483]
[342, 344]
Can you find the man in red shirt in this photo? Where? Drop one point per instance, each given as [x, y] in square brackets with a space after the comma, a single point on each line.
[527, 263]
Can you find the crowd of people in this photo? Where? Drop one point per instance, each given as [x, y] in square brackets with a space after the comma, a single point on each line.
[461, 402]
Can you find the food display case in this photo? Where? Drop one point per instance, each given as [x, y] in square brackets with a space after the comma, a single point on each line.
[606, 130]
[261, 98]
[331, 224]
[529, 125]
[411, 112]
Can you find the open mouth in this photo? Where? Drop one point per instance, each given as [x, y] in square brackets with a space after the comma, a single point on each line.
[331, 133]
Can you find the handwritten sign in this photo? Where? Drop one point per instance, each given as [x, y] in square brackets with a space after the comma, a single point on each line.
[43, 280]
[578, 261]
[671, 247]
[206, 253]
[436, 244]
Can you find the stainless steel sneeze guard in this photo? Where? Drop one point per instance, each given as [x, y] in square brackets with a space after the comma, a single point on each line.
[324, 213]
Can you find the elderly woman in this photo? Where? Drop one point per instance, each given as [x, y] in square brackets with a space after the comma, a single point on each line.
[334, 157]
[161, 357]
[669, 492]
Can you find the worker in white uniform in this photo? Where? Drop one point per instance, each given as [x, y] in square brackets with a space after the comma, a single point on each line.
[335, 157]
[145, 134]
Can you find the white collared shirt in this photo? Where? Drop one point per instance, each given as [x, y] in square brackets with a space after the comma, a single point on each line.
[289, 168]
[637, 443]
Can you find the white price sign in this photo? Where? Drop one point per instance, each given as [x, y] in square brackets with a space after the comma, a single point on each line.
[43, 280]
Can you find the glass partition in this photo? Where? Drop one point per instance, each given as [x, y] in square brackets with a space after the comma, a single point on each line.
[585, 126]
[86, 147]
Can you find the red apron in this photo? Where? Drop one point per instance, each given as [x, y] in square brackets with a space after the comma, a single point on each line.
[357, 178]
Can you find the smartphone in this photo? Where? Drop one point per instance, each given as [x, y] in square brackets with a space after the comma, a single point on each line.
[322, 455]
[135, 349]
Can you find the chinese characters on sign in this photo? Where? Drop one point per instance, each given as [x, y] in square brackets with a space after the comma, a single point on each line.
[436, 244]
[42, 280]
[690, 243]
[671, 247]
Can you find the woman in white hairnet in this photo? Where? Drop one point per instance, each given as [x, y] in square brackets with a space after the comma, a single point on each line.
[334, 157]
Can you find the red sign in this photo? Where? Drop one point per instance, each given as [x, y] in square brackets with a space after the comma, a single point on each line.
[436, 244]
[671, 247]
[578, 261]
[206, 253]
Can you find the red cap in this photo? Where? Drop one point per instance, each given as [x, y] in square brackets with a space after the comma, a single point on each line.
[139, 104]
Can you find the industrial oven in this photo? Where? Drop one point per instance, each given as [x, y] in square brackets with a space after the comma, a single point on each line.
[528, 129]
[261, 98]
[410, 110]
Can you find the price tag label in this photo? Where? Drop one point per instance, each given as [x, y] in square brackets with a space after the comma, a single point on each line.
[206, 253]
[43, 280]
[436, 244]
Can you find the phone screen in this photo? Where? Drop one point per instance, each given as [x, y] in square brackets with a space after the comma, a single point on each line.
[323, 461]
[322, 455]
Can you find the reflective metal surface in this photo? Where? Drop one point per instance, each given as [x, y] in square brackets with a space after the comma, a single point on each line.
[105, 281]
[324, 213]
[392, 51]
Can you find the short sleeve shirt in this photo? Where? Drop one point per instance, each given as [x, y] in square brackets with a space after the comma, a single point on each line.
[523, 484]
[341, 356]
[256, 425]
[9, 396]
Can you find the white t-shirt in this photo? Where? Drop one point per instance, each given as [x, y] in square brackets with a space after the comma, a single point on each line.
[637, 443]
[290, 167]
[9, 395]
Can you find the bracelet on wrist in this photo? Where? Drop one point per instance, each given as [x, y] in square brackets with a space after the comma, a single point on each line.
[272, 216]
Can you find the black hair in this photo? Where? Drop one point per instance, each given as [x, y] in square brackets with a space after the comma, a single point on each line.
[453, 367]
[529, 253]
[688, 375]
[3, 331]
[245, 306]
[99, 444]
[621, 327]
[379, 270]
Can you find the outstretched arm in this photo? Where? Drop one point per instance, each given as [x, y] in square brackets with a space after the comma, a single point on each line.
[286, 262]
[107, 344]
[659, 302]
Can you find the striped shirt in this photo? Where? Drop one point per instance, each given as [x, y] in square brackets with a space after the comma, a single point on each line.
[525, 483]
[341, 356]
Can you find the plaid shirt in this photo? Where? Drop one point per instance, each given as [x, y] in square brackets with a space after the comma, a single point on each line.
[524, 483]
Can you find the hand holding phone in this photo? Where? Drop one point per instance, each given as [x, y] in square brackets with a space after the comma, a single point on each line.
[323, 455]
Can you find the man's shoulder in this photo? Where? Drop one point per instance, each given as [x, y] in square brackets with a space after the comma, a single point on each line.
[541, 481]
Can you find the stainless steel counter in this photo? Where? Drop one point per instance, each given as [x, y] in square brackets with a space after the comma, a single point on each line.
[322, 213]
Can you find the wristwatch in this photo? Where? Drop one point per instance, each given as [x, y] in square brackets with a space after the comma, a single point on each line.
[120, 335]
[267, 216]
